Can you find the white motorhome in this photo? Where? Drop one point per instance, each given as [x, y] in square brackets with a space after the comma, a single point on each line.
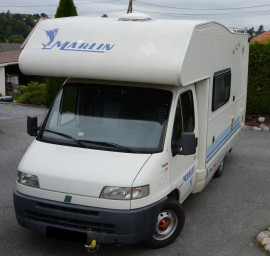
[147, 117]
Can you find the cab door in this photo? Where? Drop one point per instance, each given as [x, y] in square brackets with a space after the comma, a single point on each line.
[183, 167]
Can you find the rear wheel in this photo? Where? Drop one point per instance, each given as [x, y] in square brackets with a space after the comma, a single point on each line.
[169, 224]
[220, 169]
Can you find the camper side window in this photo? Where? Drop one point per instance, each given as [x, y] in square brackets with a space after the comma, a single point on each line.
[184, 116]
[221, 88]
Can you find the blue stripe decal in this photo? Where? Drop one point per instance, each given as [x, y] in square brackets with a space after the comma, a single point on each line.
[221, 140]
[238, 126]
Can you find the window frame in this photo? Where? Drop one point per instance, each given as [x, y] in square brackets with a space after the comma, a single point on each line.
[216, 75]
[179, 101]
[59, 97]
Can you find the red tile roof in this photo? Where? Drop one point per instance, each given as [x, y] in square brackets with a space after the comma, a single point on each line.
[9, 56]
[262, 37]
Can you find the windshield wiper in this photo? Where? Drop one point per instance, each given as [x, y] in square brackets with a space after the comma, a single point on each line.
[68, 137]
[109, 144]
[82, 142]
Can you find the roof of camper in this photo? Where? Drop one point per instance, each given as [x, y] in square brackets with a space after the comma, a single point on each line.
[135, 49]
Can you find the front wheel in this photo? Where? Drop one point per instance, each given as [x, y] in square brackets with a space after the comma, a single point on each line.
[170, 223]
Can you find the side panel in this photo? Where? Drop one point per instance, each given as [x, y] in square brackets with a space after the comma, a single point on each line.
[214, 48]
[225, 123]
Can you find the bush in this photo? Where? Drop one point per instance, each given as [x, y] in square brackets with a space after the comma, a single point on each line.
[33, 93]
[258, 94]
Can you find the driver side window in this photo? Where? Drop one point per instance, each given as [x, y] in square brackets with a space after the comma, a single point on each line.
[184, 120]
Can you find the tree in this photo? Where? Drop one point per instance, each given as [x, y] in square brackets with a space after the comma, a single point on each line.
[260, 30]
[36, 16]
[44, 15]
[29, 22]
[2, 38]
[8, 15]
[252, 33]
[17, 39]
[17, 16]
[65, 8]
[104, 16]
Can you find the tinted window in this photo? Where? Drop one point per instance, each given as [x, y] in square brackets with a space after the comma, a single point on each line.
[135, 118]
[221, 88]
[187, 111]
[178, 124]
[184, 116]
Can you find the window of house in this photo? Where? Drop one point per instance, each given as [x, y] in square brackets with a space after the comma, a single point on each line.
[221, 88]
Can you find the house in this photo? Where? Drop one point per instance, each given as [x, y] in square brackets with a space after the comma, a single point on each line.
[9, 69]
[10, 75]
[262, 37]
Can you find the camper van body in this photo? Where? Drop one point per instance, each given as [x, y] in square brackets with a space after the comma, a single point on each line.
[131, 163]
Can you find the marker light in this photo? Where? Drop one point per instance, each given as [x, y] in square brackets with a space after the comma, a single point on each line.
[124, 193]
[28, 179]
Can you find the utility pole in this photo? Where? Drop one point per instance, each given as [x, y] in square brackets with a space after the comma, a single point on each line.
[129, 10]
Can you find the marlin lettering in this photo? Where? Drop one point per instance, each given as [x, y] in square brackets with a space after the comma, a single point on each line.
[74, 46]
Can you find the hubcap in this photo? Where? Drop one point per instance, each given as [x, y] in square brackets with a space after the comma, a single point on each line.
[221, 166]
[166, 224]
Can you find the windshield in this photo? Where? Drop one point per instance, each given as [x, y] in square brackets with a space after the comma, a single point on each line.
[115, 118]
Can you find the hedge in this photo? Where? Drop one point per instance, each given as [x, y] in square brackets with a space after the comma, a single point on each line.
[258, 94]
[33, 93]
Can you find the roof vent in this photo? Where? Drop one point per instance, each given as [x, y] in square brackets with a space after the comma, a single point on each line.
[238, 30]
[135, 17]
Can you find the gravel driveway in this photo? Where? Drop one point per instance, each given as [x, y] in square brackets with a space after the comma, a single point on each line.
[221, 220]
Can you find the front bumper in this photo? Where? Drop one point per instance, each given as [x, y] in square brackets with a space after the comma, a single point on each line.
[111, 226]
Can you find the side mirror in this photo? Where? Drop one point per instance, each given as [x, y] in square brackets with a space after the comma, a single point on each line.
[187, 146]
[32, 127]
[189, 143]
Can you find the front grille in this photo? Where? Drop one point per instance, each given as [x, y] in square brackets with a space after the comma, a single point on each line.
[69, 218]
[66, 209]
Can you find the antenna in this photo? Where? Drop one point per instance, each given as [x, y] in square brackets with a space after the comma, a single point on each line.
[129, 10]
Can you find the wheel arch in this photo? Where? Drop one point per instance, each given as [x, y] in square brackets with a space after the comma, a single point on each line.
[175, 194]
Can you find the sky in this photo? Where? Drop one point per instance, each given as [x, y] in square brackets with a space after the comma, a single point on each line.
[232, 13]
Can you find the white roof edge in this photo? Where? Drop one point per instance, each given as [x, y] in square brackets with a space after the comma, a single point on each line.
[124, 51]
[215, 22]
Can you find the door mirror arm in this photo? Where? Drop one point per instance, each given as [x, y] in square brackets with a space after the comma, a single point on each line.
[176, 148]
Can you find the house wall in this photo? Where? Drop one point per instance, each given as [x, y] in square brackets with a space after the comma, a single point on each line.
[2, 81]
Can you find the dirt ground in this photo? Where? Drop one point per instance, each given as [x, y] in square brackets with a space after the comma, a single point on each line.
[252, 119]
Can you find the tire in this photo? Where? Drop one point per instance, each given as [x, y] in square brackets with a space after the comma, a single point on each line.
[220, 169]
[170, 223]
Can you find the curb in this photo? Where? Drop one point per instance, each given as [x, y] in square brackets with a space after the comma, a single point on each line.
[23, 104]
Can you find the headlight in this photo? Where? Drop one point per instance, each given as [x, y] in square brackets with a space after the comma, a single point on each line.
[28, 179]
[122, 193]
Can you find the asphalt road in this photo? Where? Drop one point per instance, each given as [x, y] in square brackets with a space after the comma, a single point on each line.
[221, 220]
